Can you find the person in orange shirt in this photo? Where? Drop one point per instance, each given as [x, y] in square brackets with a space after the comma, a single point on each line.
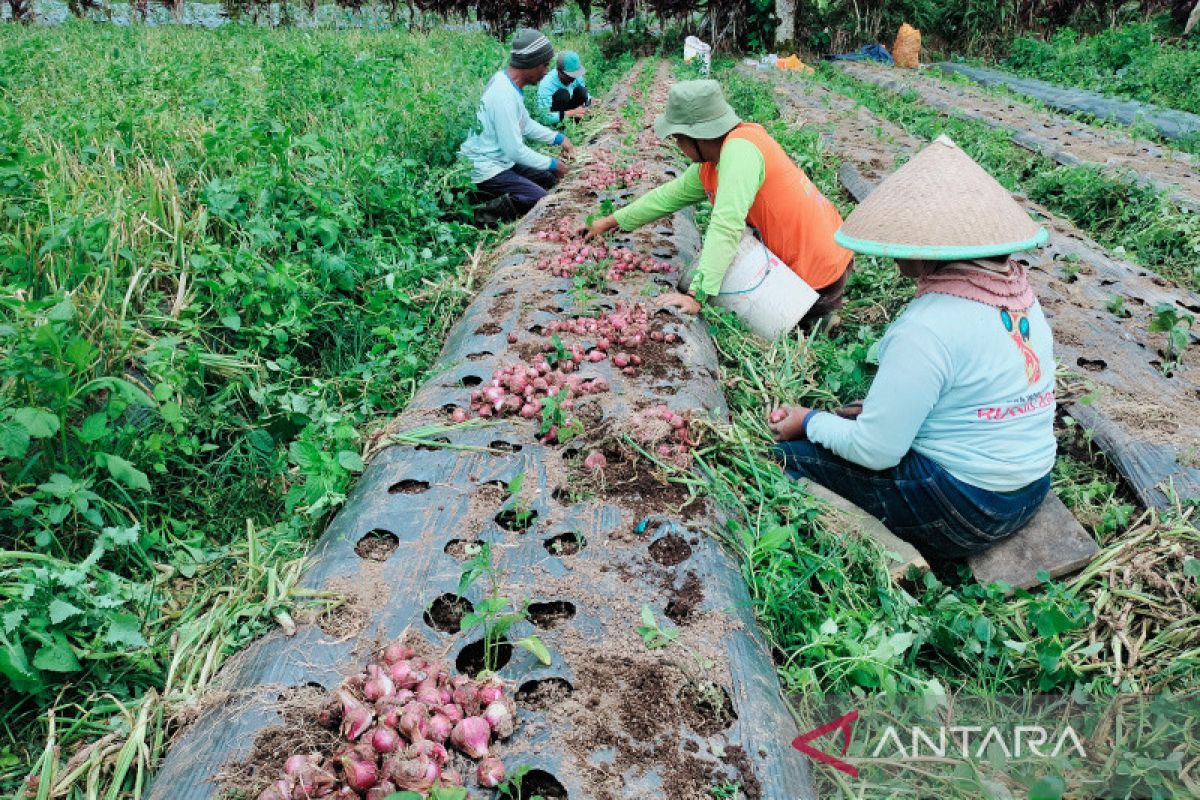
[750, 180]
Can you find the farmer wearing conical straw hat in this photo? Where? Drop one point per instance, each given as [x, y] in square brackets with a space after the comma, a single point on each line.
[750, 181]
[953, 446]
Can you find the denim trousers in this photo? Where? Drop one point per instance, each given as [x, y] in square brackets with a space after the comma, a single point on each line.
[524, 185]
[918, 500]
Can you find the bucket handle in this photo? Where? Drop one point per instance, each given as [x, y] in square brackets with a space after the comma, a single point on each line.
[762, 278]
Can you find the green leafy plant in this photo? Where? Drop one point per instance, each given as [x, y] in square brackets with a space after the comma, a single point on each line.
[511, 788]
[1177, 326]
[654, 636]
[495, 614]
[558, 419]
[1116, 306]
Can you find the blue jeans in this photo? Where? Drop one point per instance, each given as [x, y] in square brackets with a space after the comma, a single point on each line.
[918, 500]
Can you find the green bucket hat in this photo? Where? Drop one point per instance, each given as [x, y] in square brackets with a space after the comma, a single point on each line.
[696, 109]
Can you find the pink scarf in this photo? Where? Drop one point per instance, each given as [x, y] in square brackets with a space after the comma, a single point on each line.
[980, 280]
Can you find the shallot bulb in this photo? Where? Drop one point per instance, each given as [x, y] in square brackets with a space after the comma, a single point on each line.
[500, 717]
[359, 774]
[490, 772]
[314, 781]
[414, 721]
[439, 727]
[385, 739]
[452, 713]
[416, 774]
[595, 461]
[379, 685]
[471, 736]
[381, 791]
[778, 415]
[356, 717]
[297, 762]
[279, 790]
[396, 652]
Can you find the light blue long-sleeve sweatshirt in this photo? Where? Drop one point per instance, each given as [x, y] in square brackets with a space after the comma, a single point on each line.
[955, 385]
[504, 125]
[545, 98]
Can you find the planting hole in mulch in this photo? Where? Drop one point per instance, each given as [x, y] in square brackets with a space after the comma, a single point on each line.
[506, 447]
[471, 380]
[433, 447]
[539, 783]
[471, 660]
[463, 549]
[344, 619]
[706, 708]
[670, 550]
[488, 329]
[517, 520]
[480, 355]
[536, 330]
[377, 545]
[565, 544]
[407, 486]
[685, 600]
[446, 612]
[544, 694]
[570, 454]
[549, 614]
[1092, 364]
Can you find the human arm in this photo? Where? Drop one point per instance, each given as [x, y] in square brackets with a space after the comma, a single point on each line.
[913, 371]
[742, 171]
[684, 191]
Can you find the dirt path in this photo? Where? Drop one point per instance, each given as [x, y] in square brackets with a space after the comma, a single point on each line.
[1145, 420]
[1056, 136]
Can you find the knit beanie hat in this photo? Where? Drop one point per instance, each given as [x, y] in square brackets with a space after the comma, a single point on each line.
[530, 48]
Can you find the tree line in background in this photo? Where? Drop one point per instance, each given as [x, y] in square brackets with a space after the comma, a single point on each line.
[969, 26]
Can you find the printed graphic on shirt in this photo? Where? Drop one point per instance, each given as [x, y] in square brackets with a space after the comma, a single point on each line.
[1017, 325]
[1017, 408]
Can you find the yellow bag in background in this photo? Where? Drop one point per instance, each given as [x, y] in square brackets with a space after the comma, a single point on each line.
[793, 63]
[907, 50]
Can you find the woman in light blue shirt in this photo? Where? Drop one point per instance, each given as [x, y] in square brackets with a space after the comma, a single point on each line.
[953, 446]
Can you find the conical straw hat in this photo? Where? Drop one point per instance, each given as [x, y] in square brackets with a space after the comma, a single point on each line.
[940, 206]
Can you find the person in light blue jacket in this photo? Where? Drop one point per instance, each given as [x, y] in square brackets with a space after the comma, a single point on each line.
[562, 93]
[503, 166]
[953, 446]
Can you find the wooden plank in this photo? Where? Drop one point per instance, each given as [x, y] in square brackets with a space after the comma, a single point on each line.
[1053, 542]
[851, 519]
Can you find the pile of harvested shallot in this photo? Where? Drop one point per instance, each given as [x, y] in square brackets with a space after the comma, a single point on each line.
[577, 252]
[402, 721]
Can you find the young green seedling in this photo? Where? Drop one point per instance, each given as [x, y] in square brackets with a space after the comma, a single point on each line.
[652, 635]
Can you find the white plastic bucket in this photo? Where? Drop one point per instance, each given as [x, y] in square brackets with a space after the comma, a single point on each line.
[693, 47]
[763, 290]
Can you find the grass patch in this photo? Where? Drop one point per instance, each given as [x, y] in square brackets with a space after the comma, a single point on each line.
[1136, 61]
